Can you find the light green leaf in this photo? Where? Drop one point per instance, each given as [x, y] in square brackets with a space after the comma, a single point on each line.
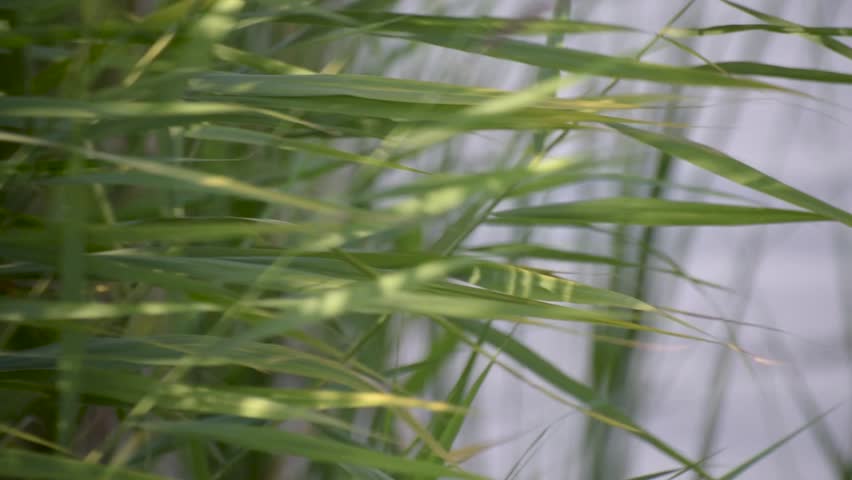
[762, 27]
[250, 137]
[824, 40]
[553, 375]
[529, 283]
[215, 183]
[28, 311]
[155, 113]
[586, 62]
[402, 100]
[728, 167]
[199, 351]
[649, 211]
[401, 22]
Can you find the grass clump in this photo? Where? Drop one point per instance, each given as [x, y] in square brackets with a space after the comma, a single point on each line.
[234, 245]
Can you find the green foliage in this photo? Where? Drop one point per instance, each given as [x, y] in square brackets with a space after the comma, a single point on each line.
[208, 229]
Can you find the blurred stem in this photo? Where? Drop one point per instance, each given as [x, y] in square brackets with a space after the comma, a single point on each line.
[561, 11]
[611, 364]
[746, 275]
[72, 209]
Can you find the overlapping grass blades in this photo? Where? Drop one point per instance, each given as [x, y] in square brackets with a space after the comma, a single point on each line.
[211, 222]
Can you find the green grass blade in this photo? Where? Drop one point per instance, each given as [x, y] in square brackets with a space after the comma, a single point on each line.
[768, 70]
[432, 24]
[276, 442]
[534, 284]
[740, 469]
[590, 63]
[261, 139]
[30, 311]
[728, 167]
[215, 183]
[660, 474]
[200, 351]
[582, 392]
[148, 114]
[762, 27]
[824, 40]
[26, 464]
[409, 100]
[649, 211]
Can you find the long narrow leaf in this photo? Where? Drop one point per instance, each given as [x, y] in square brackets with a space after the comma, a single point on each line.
[728, 167]
[276, 441]
[26, 464]
[649, 211]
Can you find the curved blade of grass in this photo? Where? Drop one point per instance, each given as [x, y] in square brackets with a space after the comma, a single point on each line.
[197, 350]
[559, 380]
[559, 179]
[30, 438]
[334, 302]
[276, 442]
[362, 86]
[768, 70]
[576, 61]
[482, 304]
[447, 427]
[732, 169]
[510, 280]
[372, 87]
[522, 250]
[739, 469]
[824, 40]
[155, 114]
[215, 183]
[110, 29]
[30, 311]
[116, 385]
[248, 402]
[534, 117]
[268, 276]
[662, 473]
[262, 63]
[27, 464]
[529, 283]
[185, 230]
[649, 211]
[515, 250]
[409, 100]
[513, 282]
[590, 63]
[333, 399]
[434, 24]
[774, 28]
[493, 182]
[251, 137]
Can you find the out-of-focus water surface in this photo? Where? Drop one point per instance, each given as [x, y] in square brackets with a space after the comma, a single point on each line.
[794, 279]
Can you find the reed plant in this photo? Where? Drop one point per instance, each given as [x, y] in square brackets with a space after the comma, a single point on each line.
[237, 244]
